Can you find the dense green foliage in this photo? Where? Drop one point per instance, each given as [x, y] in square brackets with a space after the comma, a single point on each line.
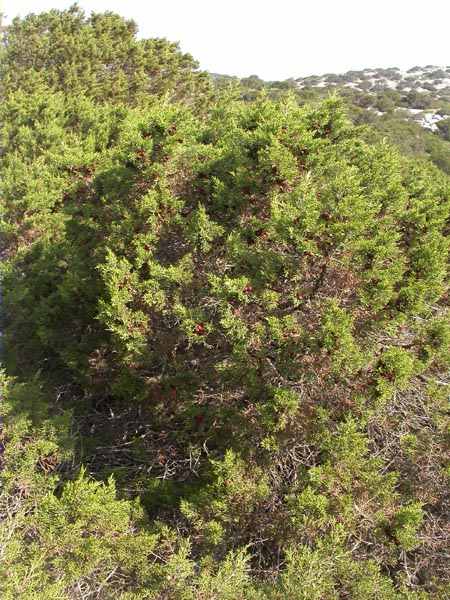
[226, 342]
[386, 111]
[97, 56]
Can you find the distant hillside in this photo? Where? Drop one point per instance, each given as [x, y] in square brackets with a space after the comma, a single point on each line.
[422, 91]
[423, 79]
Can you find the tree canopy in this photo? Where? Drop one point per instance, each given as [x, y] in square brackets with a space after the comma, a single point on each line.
[98, 56]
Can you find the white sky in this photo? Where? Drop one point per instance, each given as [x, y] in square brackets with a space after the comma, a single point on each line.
[277, 39]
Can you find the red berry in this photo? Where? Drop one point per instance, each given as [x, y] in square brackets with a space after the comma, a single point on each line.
[199, 329]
